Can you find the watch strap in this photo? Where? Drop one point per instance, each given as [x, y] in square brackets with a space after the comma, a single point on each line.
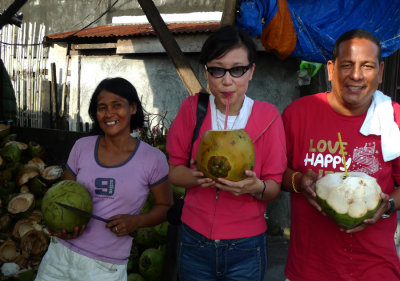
[390, 211]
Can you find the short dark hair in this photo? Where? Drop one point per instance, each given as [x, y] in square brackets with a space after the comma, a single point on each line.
[120, 87]
[356, 33]
[223, 40]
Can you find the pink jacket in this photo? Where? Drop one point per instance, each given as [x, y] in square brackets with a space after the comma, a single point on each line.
[229, 216]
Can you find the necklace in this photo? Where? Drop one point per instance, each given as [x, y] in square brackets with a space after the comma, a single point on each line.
[221, 127]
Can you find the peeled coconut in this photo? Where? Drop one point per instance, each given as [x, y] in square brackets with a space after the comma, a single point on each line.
[69, 193]
[226, 154]
[348, 200]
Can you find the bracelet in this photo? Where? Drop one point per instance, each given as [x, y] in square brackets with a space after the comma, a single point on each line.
[293, 184]
[260, 195]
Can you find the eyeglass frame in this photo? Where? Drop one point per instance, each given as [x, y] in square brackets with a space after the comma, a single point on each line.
[246, 67]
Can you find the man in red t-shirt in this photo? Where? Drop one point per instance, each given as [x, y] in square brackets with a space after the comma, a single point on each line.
[319, 249]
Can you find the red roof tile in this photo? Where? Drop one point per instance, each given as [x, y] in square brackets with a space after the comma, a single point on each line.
[117, 31]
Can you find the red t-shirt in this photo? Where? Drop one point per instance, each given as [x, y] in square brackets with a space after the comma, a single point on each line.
[229, 216]
[318, 250]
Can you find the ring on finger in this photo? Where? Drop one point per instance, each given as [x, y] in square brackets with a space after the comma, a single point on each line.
[116, 228]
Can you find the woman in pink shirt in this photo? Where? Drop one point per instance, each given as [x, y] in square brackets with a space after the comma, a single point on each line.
[223, 231]
[119, 171]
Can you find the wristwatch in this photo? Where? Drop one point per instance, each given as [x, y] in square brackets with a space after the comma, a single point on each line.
[390, 211]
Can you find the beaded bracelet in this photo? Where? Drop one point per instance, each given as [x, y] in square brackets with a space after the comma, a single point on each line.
[293, 184]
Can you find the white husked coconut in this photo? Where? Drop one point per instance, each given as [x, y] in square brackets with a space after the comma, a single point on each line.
[348, 200]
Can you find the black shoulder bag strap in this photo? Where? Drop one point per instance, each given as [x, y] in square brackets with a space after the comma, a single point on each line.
[202, 106]
[174, 213]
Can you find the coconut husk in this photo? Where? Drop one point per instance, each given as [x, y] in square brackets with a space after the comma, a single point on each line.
[24, 189]
[34, 243]
[22, 261]
[37, 162]
[52, 174]
[9, 251]
[23, 226]
[36, 215]
[26, 173]
[21, 205]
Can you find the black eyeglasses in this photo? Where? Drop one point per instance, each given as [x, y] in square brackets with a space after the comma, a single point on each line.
[236, 71]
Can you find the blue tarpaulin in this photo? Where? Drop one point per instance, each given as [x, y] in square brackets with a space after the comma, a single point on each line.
[319, 23]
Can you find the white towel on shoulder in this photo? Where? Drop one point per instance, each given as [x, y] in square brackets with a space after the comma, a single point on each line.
[380, 121]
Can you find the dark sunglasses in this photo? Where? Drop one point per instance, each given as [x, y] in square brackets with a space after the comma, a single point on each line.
[236, 71]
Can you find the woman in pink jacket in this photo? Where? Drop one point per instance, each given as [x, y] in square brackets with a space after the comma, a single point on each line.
[223, 225]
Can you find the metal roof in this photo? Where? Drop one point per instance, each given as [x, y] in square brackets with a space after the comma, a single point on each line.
[108, 32]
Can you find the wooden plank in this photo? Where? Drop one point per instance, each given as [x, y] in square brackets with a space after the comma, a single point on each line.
[229, 13]
[187, 44]
[181, 63]
[94, 46]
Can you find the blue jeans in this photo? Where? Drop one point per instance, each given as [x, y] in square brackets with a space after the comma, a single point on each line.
[202, 259]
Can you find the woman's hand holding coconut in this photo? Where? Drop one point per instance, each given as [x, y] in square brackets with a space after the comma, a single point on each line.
[66, 235]
[251, 185]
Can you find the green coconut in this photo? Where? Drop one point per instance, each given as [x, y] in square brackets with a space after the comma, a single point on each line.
[70, 193]
[135, 277]
[161, 232]
[151, 264]
[226, 154]
[36, 150]
[145, 237]
[11, 153]
[348, 200]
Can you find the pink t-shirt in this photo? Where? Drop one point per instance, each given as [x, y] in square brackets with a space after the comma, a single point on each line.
[229, 216]
[121, 189]
[318, 250]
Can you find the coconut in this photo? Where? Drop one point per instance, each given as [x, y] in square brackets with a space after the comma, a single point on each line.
[52, 174]
[145, 237]
[21, 205]
[9, 251]
[135, 277]
[70, 193]
[151, 263]
[348, 200]
[226, 154]
[11, 153]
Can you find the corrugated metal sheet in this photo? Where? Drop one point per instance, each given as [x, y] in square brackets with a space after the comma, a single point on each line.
[120, 31]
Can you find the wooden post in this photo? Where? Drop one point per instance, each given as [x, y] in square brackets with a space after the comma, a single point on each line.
[182, 65]
[53, 98]
[229, 13]
[5, 18]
